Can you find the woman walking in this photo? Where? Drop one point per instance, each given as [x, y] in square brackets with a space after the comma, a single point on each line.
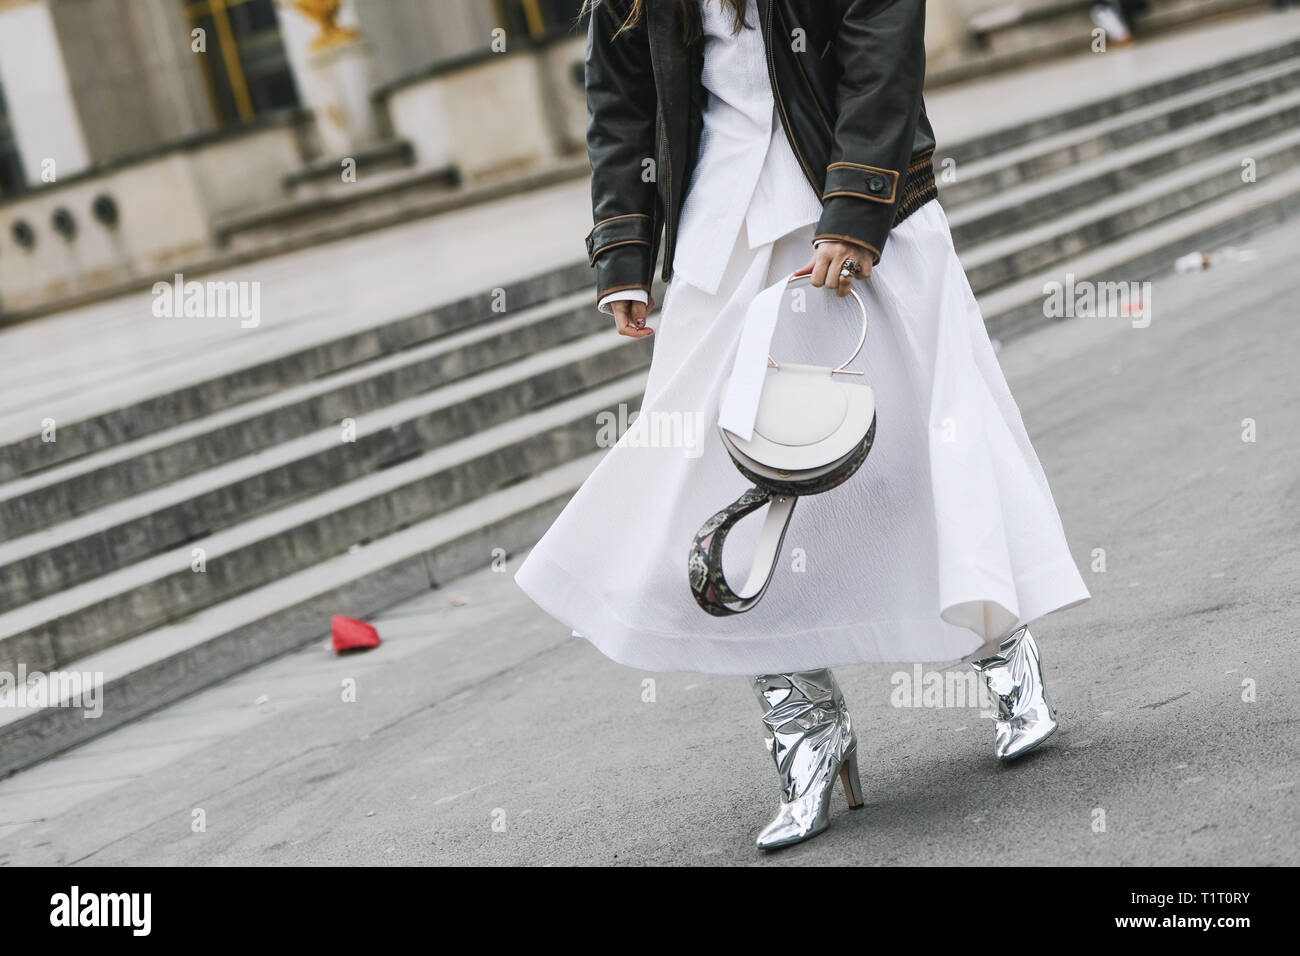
[750, 139]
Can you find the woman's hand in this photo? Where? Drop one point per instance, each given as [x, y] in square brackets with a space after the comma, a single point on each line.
[828, 259]
[629, 317]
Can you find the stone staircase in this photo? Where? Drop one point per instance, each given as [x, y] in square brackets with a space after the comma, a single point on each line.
[1015, 33]
[346, 477]
[1119, 187]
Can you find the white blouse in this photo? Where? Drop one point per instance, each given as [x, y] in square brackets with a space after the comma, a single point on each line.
[746, 173]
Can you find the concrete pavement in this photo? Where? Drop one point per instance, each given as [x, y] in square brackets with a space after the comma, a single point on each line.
[482, 732]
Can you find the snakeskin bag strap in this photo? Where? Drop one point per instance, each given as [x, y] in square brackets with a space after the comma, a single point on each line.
[792, 430]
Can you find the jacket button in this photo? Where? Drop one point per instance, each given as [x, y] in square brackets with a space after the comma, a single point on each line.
[876, 184]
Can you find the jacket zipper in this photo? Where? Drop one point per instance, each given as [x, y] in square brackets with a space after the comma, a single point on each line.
[776, 93]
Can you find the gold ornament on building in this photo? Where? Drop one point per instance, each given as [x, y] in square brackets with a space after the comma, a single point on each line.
[326, 14]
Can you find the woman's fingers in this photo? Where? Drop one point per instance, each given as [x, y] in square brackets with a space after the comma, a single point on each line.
[837, 252]
[821, 264]
[828, 263]
[829, 258]
[842, 282]
[629, 318]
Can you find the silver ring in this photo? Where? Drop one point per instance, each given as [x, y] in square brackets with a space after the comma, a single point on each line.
[851, 267]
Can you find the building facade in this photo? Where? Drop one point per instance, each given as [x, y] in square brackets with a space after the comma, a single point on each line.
[87, 82]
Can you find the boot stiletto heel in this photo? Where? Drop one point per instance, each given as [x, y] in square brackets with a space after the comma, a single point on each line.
[850, 780]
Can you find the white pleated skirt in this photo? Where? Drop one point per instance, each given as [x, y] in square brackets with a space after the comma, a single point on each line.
[945, 540]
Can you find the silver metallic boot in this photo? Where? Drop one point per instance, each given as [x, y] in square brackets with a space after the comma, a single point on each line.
[1015, 679]
[811, 741]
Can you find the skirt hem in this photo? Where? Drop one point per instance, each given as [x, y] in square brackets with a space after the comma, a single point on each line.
[922, 640]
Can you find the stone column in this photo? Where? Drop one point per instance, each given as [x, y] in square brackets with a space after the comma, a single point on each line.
[41, 107]
[331, 64]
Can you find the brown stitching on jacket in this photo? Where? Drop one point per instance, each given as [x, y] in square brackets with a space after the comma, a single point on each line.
[850, 192]
[893, 191]
[874, 169]
[626, 215]
[916, 194]
[611, 245]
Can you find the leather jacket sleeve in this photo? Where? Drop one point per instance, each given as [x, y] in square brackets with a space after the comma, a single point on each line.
[621, 119]
[881, 50]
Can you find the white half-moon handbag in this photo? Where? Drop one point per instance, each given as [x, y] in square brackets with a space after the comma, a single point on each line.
[811, 432]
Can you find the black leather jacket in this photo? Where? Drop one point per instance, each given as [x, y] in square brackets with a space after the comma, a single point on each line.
[846, 76]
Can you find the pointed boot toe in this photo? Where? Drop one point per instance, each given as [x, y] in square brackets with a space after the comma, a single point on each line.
[1023, 734]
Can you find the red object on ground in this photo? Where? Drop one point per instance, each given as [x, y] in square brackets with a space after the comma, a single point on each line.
[352, 635]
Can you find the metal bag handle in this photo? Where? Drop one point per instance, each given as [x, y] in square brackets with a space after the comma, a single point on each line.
[804, 277]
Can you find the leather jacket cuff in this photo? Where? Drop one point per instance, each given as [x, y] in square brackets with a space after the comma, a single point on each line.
[858, 205]
[846, 220]
[617, 232]
[865, 182]
[862, 204]
[623, 267]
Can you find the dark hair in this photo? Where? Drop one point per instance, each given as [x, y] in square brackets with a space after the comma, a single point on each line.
[689, 10]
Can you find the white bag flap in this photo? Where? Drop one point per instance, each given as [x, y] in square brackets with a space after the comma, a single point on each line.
[807, 418]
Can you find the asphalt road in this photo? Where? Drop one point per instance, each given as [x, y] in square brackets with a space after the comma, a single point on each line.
[483, 733]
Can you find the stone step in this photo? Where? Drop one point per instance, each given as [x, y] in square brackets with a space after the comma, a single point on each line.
[1094, 181]
[1005, 260]
[982, 59]
[1055, 121]
[157, 668]
[385, 201]
[1019, 306]
[112, 428]
[322, 176]
[1060, 26]
[165, 587]
[186, 511]
[1047, 156]
[93, 481]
